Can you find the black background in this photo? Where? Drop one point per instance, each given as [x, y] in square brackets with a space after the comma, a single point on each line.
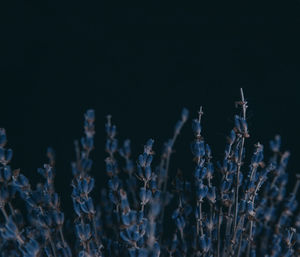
[142, 64]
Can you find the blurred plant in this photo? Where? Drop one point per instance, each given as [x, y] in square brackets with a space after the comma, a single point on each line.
[229, 209]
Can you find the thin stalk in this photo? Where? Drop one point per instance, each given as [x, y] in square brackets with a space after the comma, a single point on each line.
[219, 231]
[237, 183]
[250, 239]
[4, 213]
[239, 247]
[52, 244]
[241, 220]
[50, 237]
[167, 170]
[244, 106]
[296, 187]
[227, 231]
[200, 218]
[210, 220]
[95, 229]
[251, 221]
[199, 222]
[62, 236]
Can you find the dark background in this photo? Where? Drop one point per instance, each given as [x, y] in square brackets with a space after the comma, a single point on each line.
[142, 64]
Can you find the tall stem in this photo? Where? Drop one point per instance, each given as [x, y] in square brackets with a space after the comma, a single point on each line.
[96, 234]
[62, 236]
[219, 231]
[200, 218]
[244, 107]
[250, 239]
[238, 183]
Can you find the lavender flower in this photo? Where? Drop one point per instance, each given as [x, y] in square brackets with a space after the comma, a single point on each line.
[231, 208]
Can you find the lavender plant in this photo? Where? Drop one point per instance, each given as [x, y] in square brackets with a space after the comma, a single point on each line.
[231, 208]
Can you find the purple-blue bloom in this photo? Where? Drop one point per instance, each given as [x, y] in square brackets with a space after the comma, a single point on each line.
[233, 207]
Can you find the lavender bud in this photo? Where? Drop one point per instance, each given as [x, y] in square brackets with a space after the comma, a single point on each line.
[232, 137]
[184, 114]
[180, 223]
[201, 191]
[208, 151]
[211, 194]
[125, 219]
[198, 149]
[3, 138]
[237, 123]
[90, 115]
[275, 144]
[196, 127]
[250, 208]
[142, 160]
[7, 173]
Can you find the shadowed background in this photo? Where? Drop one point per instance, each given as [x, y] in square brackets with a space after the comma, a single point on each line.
[143, 65]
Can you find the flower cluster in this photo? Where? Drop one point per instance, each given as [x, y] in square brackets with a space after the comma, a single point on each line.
[232, 207]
